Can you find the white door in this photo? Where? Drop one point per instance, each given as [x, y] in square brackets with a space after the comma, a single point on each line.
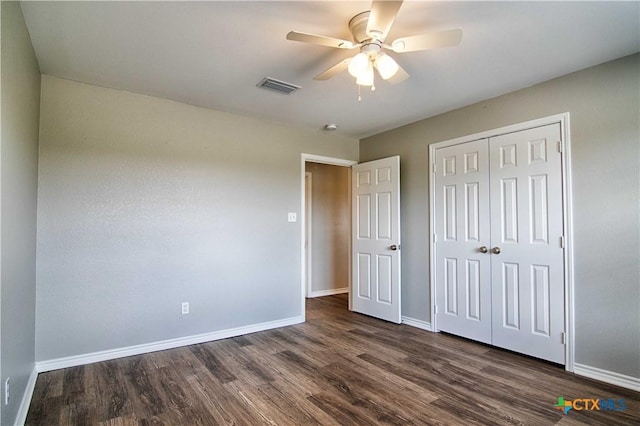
[463, 284]
[526, 239]
[376, 238]
[499, 267]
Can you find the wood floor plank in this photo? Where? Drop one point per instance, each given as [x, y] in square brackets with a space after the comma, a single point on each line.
[242, 364]
[223, 406]
[266, 409]
[391, 395]
[207, 356]
[410, 389]
[78, 413]
[345, 414]
[294, 408]
[182, 406]
[459, 382]
[119, 421]
[290, 392]
[338, 368]
[73, 380]
[145, 395]
[110, 382]
[47, 400]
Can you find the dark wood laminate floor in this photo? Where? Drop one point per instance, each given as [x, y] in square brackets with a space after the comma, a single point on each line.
[339, 368]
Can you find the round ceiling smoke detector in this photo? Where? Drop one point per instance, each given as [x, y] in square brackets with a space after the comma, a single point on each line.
[330, 127]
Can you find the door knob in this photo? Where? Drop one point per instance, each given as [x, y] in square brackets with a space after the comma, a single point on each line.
[393, 247]
[495, 250]
[483, 249]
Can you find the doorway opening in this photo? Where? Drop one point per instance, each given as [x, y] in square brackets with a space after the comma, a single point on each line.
[326, 226]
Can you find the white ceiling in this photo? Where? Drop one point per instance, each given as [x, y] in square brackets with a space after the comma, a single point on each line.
[212, 54]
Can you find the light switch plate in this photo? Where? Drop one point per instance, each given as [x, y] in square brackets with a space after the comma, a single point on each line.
[292, 217]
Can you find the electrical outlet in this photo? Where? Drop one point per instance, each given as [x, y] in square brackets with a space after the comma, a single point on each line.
[6, 391]
[292, 217]
[185, 308]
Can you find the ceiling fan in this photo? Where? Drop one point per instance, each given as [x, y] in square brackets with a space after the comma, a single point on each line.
[369, 31]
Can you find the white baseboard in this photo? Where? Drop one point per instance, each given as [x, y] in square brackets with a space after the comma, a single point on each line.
[72, 361]
[606, 376]
[23, 410]
[330, 292]
[417, 323]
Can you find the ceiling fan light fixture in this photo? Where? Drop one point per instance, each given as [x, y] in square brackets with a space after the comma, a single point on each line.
[366, 78]
[358, 65]
[386, 66]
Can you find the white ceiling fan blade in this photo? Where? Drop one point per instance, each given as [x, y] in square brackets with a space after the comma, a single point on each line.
[381, 17]
[340, 66]
[321, 40]
[446, 38]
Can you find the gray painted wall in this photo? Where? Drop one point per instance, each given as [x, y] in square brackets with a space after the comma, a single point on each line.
[19, 168]
[605, 140]
[145, 203]
[331, 226]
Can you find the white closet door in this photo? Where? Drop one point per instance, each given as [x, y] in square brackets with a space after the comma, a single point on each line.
[527, 254]
[463, 282]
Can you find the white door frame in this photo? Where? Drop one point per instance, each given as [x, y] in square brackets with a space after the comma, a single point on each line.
[311, 158]
[307, 218]
[567, 207]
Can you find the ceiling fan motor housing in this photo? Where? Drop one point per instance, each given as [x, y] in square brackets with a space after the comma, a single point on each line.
[358, 27]
[371, 49]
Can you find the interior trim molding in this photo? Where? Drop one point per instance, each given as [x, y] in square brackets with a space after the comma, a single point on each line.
[308, 227]
[423, 325]
[607, 376]
[328, 292]
[75, 360]
[23, 410]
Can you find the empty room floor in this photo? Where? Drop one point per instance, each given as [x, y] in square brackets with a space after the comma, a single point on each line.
[338, 368]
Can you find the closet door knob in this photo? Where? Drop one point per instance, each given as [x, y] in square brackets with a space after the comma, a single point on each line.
[483, 249]
[393, 247]
[496, 250]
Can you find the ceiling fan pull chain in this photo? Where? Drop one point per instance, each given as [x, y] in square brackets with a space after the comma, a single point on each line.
[359, 97]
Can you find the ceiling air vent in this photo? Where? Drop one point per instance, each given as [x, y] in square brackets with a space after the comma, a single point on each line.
[278, 86]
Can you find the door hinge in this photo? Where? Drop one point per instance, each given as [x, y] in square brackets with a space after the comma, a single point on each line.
[435, 238]
[435, 168]
[563, 338]
[562, 241]
[560, 147]
[435, 308]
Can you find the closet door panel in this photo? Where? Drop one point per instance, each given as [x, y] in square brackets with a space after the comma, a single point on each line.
[463, 289]
[527, 271]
